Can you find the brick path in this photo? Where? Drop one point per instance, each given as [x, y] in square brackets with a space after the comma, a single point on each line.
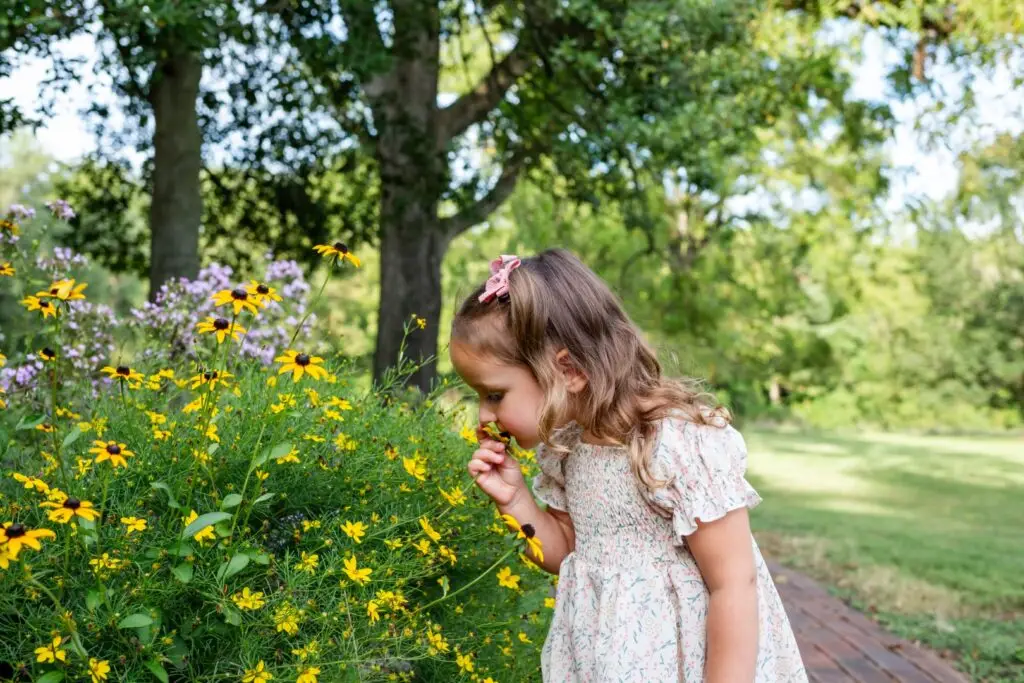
[840, 645]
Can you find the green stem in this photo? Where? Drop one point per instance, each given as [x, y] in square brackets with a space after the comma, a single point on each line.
[245, 483]
[309, 310]
[468, 585]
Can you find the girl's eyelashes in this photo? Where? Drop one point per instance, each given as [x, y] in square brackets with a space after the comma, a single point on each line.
[494, 397]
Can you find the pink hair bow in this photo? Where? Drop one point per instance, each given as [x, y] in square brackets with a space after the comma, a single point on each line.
[497, 283]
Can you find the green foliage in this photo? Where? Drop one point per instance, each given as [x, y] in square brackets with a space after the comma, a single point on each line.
[230, 519]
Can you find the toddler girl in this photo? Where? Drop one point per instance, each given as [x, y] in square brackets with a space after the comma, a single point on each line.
[642, 478]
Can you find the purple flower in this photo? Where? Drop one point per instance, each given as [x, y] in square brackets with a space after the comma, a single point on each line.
[20, 211]
[61, 209]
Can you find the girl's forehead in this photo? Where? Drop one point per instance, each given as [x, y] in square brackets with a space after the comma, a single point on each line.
[480, 368]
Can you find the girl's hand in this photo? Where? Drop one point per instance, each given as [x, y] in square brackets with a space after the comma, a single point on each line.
[495, 471]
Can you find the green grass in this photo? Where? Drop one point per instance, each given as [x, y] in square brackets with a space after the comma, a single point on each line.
[924, 533]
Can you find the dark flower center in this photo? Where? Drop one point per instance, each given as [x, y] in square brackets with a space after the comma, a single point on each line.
[46, 426]
[263, 289]
[72, 503]
[302, 359]
[54, 291]
[113, 449]
[15, 530]
[210, 374]
[124, 370]
[47, 351]
[44, 304]
[341, 247]
[221, 324]
[239, 294]
[505, 435]
[529, 531]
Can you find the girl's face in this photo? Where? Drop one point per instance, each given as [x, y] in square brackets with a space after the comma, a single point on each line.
[509, 394]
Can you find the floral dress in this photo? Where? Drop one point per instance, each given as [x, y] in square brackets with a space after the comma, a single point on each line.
[632, 605]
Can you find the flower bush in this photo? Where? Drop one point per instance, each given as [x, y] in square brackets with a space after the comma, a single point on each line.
[218, 515]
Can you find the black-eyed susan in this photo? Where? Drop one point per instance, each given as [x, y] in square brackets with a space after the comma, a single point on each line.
[46, 427]
[113, 451]
[339, 251]
[6, 269]
[262, 292]
[65, 511]
[124, 373]
[238, 298]
[34, 303]
[65, 290]
[211, 377]
[47, 354]
[52, 653]
[527, 532]
[221, 327]
[14, 536]
[9, 226]
[299, 364]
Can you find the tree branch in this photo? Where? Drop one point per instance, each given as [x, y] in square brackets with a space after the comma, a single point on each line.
[476, 213]
[473, 106]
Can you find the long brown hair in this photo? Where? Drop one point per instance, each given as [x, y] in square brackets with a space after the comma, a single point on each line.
[555, 302]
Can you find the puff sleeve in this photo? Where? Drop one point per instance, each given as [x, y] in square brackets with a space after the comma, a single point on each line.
[705, 469]
[549, 484]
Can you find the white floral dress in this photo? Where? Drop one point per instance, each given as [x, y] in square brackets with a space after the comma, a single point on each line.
[632, 605]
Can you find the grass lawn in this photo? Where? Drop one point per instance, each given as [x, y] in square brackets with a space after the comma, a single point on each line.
[926, 534]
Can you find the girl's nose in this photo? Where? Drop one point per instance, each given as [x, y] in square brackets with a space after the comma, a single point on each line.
[486, 415]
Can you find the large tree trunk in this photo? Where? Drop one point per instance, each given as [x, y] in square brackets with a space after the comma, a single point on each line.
[177, 205]
[410, 152]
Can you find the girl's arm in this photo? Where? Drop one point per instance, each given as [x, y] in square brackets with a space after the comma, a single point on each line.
[724, 552]
[553, 528]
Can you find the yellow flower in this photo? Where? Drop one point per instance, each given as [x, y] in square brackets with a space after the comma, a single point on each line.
[7, 225]
[66, 510]
[507, 579]
[354, 530]
[429, 530]
[299, 363]
[211, 377]
[344, 442]
[156, 418]
[447, 553]
[204, 534]
[455, 497]
[290, 456]
[47, 354]
[124, 373]
[526, 531]
[65, 290]
[221, 327]
[523, 638]
[49, 654]
[249, 600]
[104, 564]
[308, 675]
[360, 576]
[415, 467]
[437, 642]
[261, 292]
[112, 451]
[286, 619]
[390, 452]
[465, 662]
[257, 675]
[423, 545]
[238, 298]
[31, 482]
[6, 269]
[549, 603]
[339, 403]
[46, 427]
[33, 303]
[373, 611]
[393, 543]
[98, 670]
[420, 322]
[308, 563]
[340, 252]
[133, 524]
[3, 360]
[468, 434]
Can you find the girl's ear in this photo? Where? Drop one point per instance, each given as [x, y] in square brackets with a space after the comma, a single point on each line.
[575, 379]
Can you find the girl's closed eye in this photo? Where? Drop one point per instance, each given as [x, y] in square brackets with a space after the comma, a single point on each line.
[494, 397]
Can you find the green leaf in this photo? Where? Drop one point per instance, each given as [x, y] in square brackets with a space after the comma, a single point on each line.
[231, 500]
[157, 669]
[51, 677]
[93, 599]
[203, 521]
[71, 437]
[232, 616]
[77, 646]
[232, 567]
[29, 422]
[183, 572]
[258, 557]
[275, 452]
[181, 549]
[212, 448]
[264, 497]
[170, 496]
[135, 620]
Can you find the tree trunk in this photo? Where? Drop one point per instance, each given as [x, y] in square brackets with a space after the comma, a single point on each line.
[177, 206]
[410, 153]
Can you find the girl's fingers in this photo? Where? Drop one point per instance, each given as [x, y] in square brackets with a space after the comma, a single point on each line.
[478, 467]
[489, 456]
